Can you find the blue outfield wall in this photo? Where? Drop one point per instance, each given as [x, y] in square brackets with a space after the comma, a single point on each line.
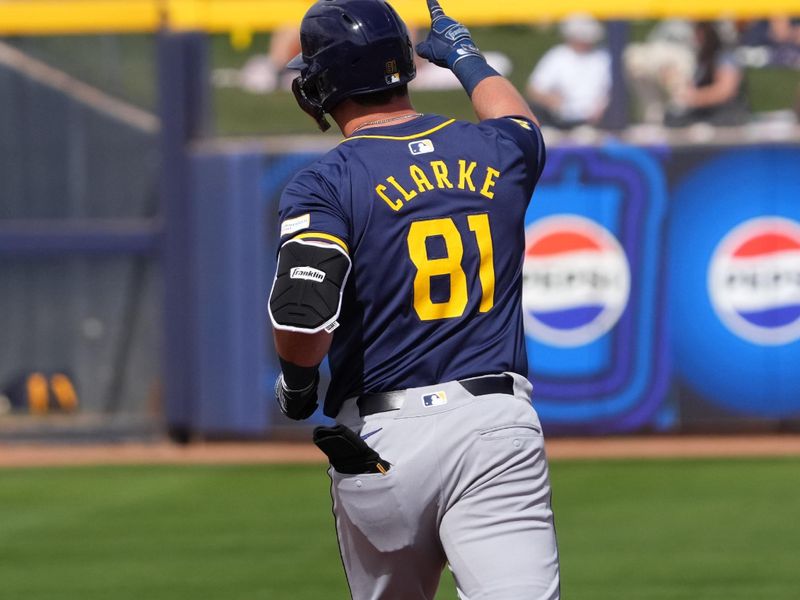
[662, 288]
[231, 260]
[80, 280]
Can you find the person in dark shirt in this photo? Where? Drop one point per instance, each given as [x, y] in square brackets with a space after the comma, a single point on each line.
[717, 92]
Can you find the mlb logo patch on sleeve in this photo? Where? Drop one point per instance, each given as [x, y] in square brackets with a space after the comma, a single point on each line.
[290, 226]
[434, 399]
[421, 147]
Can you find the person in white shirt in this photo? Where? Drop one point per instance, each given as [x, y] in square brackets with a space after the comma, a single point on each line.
[571, 84]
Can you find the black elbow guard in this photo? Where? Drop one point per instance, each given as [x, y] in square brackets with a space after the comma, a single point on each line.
[309, 282]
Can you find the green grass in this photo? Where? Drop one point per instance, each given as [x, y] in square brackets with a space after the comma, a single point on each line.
[694, 530]
[638, 530]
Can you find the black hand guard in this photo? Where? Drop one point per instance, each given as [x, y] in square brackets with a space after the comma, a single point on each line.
[298, 405]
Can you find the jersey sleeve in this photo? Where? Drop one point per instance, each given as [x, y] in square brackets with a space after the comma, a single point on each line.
[526, 135]
[309, 210]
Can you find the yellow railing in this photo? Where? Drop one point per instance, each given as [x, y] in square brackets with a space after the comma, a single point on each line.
[53, 17]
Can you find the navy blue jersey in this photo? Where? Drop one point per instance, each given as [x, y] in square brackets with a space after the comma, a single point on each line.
[431, 213]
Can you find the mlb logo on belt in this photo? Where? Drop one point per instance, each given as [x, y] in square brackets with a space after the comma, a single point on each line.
[434, 399]
[421, 147]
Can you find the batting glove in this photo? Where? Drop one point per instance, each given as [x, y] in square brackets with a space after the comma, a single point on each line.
[449, 45]
[298, 405]
[448, 42]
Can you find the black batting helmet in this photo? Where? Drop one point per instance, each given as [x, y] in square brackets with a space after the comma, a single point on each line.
[350, 47]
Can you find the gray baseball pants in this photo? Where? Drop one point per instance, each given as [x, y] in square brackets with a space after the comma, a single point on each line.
[468, 486]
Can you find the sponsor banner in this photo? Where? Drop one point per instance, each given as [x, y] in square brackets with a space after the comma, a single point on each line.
[734, 257]
[661, 288]
[592, 290]
[754, 280]
[576, 280]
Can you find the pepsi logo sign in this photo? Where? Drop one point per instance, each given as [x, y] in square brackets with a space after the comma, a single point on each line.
[754, 280]
[576, 281]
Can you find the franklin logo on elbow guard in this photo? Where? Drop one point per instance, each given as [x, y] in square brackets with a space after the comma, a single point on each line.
[307, 273]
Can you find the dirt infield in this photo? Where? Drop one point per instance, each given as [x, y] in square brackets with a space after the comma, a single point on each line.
[13, 455]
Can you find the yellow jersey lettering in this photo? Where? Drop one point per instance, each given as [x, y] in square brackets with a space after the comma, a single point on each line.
[395, 205]
[423, 182]
[418, 175]
[440, 172]
[406, 194]
[489, 182]
[465, 175]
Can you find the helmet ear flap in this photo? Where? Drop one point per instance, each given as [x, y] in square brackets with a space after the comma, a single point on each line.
[314, 109]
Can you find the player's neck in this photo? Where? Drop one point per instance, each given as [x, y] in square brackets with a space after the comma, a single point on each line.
[351, 116]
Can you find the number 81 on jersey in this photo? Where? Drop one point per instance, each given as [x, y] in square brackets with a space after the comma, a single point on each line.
[450, 265]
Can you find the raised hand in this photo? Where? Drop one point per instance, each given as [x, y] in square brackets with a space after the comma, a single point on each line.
[435, 9]
[448, 42]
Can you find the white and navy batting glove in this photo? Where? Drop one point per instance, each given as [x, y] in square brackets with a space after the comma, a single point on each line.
[449, 45]
[448, 42]
[298, 405]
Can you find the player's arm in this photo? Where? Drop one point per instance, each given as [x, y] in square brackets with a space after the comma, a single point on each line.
[306, 295]
[306, 350]
[496, 97]
[449, 45]
[300, 356]
[304, 304]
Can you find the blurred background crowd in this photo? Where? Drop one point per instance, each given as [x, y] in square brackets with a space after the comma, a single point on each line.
[678, 72]
[672, 72]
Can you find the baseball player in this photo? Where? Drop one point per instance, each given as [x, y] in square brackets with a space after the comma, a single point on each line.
[400, 259]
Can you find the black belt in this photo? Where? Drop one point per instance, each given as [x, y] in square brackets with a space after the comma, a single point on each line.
[369, 404]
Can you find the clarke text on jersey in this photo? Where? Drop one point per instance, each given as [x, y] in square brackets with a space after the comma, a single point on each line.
[420, 182]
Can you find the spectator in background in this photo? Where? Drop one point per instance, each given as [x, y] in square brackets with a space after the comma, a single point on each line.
[660, 67]
[774, 43]
[785, 30]
[785, 34]
[265, 73]
[779, 36]
[570, 85]
[716, 94]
